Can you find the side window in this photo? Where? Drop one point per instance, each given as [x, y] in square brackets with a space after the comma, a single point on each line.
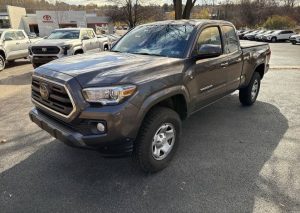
[208, 37]
[84, 34]
[91, 34]
[20, 35]
[10, 36]
[231, 42]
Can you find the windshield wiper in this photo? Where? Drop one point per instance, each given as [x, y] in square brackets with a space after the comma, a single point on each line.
[141, 53]
[116, 51]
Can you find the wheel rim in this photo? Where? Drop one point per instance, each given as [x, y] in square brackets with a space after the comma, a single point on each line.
[163, 141]
[1, 64]
[254, 89]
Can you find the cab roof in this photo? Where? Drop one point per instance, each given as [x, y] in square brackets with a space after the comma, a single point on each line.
[74, 28]
[194, 22]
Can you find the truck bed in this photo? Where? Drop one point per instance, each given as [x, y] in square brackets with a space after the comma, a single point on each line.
[249, 44]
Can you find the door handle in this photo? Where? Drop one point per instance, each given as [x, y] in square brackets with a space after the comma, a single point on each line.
[225, 64]
[17, 43]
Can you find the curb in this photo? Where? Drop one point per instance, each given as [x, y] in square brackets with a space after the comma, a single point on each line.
[285, 68]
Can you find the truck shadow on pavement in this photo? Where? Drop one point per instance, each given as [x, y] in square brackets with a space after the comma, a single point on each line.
[21, 79]
[216, 169]
[17, 63]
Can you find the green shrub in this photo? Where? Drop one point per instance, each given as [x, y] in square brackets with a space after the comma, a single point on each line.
[279, 22]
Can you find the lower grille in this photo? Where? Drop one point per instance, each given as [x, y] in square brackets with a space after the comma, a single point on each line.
[52, 96]
[45, 50]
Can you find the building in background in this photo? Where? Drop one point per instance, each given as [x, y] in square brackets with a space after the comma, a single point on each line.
[43, 23]
[4, 20]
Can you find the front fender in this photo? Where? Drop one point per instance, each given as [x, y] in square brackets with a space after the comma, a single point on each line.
[159, 96]
[2, 50]
[77, 47]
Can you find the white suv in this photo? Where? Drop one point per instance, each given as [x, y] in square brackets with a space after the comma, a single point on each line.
[279, 35]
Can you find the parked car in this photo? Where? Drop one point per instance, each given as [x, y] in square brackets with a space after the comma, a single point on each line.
[251, 36]
[242, 34]
[278, 35]
[133, 98]
[64, 42]
[250, 33]
[259, 36]
[13, 45]
[294, 39]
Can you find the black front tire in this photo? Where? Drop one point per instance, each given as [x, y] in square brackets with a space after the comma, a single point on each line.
[247, 96]
[36, 65]
[2, 63]
[143, 148]
[274, 40]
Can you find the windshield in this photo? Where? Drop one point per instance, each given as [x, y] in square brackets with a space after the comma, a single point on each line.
[268, 32]
[276, 32]
[163, 40]
[64, 34]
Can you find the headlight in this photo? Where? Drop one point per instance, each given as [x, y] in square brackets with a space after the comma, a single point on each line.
[269, 37]
[108, 95]
[66, 48]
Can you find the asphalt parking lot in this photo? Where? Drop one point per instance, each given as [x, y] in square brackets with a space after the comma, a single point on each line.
[231, 159]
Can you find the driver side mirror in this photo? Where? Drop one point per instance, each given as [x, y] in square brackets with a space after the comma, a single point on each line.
[85, 38]
[208, 51]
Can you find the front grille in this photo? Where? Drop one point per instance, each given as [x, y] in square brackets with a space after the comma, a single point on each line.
[57, 98]
[45, 50]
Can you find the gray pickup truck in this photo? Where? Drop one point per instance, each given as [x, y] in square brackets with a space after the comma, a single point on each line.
[64, 42]
[133, 98]
[13, 45]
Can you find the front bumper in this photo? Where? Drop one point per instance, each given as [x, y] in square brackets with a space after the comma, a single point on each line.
[40, 60]
[105, 142]
[294, 40]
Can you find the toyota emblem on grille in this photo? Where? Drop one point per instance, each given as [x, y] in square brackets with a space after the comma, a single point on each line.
[44, 49]
[44, 91]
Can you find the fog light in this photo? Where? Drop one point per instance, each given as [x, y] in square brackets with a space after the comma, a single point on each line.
[100, 127]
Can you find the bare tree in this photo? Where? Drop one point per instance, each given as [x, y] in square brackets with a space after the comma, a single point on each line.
[131, 10]
[186, 11]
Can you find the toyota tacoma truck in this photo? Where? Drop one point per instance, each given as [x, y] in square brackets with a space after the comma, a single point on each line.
[133, 98]
[13, 45]
[64, 42]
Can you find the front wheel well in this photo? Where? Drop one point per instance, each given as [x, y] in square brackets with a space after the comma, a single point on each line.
[176, 103]
[80, 51]
[2, 53]
[261, 70]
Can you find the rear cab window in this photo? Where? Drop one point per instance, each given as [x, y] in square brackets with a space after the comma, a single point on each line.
[20, 35]
[91, 34]
[231, 42]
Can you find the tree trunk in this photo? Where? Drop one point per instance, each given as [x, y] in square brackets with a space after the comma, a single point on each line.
[188, 9]
[178, 9]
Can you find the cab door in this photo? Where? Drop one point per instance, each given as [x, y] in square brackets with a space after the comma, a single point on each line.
[95, 44]
[233, 53]
[206, 77]
[10, 45]
[86, 41]
[22, 43]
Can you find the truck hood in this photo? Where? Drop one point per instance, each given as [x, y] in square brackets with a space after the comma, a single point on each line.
[56, 42]
[107, 68]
